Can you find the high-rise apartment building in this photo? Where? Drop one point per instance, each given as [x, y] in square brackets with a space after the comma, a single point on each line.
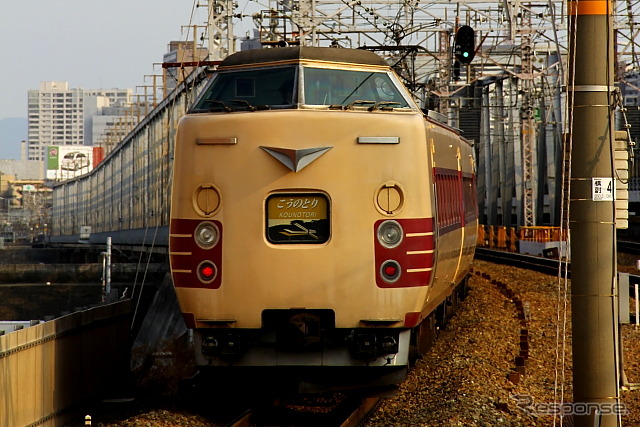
[59, 115]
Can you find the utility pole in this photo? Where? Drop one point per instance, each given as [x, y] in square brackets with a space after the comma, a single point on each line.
[528, 130]
[155, 88]
[195, 56]
[139, 115]
[146, 97]
[592, 220]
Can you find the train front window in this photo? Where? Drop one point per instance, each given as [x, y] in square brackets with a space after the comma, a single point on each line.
[256, 89]
[349, 88]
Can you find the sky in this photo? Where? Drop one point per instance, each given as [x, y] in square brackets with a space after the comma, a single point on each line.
[90, 44]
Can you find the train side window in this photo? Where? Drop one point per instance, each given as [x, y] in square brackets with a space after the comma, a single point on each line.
[450, 194]
[469, 201]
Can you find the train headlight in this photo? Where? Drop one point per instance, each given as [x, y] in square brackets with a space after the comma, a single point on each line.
[207, 271]
[206, 235]
[390, 234]
[390, 271]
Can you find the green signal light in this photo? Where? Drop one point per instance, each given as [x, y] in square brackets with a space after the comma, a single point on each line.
[464, 44]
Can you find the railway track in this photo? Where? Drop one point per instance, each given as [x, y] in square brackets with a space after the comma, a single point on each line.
[529, 262]
[541, 264]
[350, 413]
[551, 266]
[203, 408]
[629, 247]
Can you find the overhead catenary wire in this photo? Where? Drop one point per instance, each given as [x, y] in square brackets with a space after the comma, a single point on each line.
[611, 92]
[563, 266]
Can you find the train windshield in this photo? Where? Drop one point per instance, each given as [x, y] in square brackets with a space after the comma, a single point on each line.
[265, 88]
[349, 88]
[256, 89]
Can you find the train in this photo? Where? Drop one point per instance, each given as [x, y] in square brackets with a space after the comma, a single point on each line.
[320, 220]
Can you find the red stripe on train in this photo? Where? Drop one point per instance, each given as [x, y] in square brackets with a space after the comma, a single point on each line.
[186, 256]
[415, 254]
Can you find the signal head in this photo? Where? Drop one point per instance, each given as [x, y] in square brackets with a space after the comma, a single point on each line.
[465, 44]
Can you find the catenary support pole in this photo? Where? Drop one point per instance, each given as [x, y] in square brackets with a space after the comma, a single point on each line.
[592, 220]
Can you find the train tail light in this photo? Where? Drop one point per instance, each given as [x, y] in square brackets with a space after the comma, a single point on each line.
[390, 271]
[390, 235]
[207, 271]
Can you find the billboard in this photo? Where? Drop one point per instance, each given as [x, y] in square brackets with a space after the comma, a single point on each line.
[69, 161]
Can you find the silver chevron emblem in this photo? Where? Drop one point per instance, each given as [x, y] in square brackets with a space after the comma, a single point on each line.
[296, 160]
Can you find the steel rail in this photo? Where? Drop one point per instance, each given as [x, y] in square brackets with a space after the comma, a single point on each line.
[543, 265]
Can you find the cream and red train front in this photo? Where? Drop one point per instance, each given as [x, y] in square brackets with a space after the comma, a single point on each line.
[303, 233]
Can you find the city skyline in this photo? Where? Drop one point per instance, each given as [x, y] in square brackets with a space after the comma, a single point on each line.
[90, 45]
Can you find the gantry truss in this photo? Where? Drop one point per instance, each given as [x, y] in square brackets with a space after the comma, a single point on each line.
[509, 100]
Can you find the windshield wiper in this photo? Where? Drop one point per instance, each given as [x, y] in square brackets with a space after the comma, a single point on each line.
[359, 102]
[357, 87]
[220, 105]
[245, 102]
[383, 105]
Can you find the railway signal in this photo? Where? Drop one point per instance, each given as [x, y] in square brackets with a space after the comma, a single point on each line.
[465, 44]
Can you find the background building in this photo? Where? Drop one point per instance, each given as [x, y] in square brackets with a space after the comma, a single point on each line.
[22, 168]
[59, 115]
[25, 207]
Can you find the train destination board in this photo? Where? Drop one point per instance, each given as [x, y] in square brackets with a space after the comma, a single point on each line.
[298, 218]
